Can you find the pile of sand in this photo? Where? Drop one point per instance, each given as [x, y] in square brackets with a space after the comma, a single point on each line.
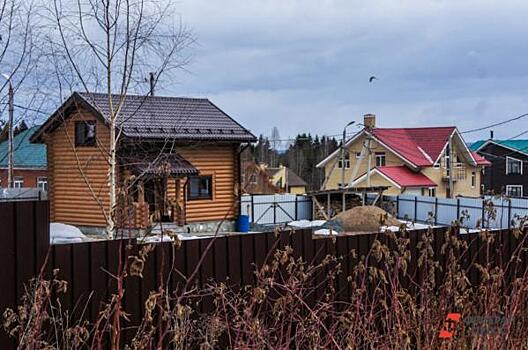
[364, 219]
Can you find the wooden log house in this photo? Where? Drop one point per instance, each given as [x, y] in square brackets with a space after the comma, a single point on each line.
[178, 160]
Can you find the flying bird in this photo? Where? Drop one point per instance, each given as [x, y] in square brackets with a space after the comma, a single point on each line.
[371, 79]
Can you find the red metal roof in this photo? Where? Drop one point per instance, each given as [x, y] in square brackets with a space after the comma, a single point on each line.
[405, 177]
[480, 160]
[420, 146]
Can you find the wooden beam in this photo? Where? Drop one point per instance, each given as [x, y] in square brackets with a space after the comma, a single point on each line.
[320, 208]
[328, 201]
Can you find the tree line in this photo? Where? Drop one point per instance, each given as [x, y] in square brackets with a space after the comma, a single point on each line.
[301, 156]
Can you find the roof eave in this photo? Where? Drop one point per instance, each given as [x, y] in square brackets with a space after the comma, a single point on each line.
[48, 126]
[500, 145]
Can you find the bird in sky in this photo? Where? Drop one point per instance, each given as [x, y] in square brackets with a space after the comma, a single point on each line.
[371, 79]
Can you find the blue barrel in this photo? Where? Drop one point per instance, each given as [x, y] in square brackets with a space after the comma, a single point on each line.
[242, 224]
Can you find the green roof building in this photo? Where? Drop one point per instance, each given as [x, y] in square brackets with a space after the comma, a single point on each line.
[29, 161]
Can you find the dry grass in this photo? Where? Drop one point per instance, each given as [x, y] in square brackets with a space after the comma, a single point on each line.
[294, 304]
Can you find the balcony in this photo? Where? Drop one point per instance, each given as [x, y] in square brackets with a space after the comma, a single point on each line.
[458, 171]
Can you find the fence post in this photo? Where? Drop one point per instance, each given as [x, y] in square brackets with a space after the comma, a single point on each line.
[436, 212]
[296, 210]
[252, 210]
[509, 214]
[458, 209]
[274, 213]
[483, 213]
[398, 207]
[415, 208]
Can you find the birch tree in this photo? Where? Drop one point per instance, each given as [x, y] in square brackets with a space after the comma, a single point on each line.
[112, 46]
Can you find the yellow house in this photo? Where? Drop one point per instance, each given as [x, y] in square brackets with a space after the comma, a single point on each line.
[284, 178]
[430, 161]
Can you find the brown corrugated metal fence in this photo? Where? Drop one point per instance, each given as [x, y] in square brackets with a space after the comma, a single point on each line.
[88, 267]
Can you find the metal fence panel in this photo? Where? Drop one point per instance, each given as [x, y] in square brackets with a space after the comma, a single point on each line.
[425, 209]
[22, 194]
[502, 209]
[405, 205]
[471, 212]
[277, 208]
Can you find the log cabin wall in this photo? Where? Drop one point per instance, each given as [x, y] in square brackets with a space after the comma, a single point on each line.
[221, 162]
[71, 201]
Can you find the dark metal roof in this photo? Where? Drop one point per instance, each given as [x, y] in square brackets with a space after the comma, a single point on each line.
[158, 117]
[173, 117]
[159, 164]
[294, 179]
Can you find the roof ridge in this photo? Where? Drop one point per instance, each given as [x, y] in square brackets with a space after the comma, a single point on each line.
[419, 128]
[85, 94]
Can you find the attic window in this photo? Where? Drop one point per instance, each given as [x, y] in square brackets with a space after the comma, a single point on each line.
[85, 133]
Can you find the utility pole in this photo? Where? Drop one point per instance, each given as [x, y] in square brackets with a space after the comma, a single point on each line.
[152, 80]
[450, 166]
[10, 178]
[343, 154]
[369, 163]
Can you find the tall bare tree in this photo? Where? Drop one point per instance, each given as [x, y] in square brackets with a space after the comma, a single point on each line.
[112, 46]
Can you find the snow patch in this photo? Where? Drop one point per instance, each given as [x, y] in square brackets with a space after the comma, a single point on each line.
[63, 233]
[307, 223]
[325, 232]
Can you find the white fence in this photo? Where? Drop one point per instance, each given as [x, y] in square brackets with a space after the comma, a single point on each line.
[276, 208]
[22, 194]
[473, 212]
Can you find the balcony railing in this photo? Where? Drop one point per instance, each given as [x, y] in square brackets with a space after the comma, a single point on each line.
[458, 172]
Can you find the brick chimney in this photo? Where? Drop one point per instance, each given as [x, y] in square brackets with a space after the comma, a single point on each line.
[369, 120]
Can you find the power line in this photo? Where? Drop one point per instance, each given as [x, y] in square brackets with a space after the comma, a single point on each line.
[32, 109]
[496, 124]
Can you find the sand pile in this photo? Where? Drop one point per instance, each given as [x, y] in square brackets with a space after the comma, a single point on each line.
[364, 219]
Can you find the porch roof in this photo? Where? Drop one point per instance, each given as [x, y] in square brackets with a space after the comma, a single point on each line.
[160, 164]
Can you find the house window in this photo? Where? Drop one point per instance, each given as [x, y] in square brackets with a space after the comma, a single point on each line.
[514, 190]
[447, 156]
[18, 182]
[42, 183]
[380, 158]
[432, 191]
[347, 163]
[85, 133]
[513, 166]
[200, 187]
[358, 155]
[458, 162]
[473, 179]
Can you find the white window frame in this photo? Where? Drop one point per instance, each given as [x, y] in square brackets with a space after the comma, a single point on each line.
[514, 159]
[458, 163]
[508, 187]
[42, 180]
[432, 191]
[18, 182]
[347, 163]
[381, 155]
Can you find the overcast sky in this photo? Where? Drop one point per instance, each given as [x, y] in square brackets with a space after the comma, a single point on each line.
[304, 65]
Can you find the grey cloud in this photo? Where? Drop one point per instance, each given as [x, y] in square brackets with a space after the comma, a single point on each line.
[304, 65]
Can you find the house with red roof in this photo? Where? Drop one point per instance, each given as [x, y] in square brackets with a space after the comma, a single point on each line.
[430, 161]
